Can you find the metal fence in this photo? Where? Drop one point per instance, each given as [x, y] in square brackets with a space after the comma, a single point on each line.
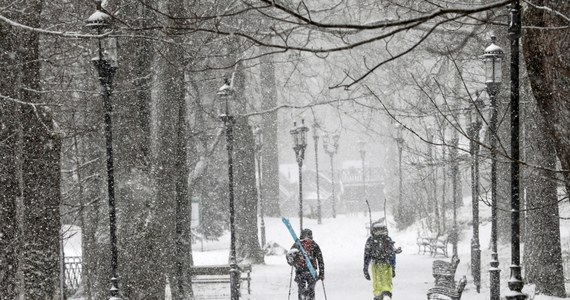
[72, 273]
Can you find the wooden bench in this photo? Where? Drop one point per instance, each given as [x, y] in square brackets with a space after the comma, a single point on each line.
[219, 274]
[439, 245]
[424, 242]
[444, 275]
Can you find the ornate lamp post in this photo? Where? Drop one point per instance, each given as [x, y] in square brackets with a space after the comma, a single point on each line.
[106, 64]
[225, 93]
[316, 140]
[331, 149]
[362, 150]
[493, 57]
[473, 122]
[400, 141]
[299, 134]
[515, 282]
[258, 145]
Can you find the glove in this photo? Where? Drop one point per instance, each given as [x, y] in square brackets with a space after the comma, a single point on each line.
[366, 275]
[321, 276]
[393, 273]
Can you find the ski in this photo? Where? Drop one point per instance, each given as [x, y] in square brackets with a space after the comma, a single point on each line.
[298, 242]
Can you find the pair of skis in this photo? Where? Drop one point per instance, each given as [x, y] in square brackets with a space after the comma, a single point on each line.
[301, 248]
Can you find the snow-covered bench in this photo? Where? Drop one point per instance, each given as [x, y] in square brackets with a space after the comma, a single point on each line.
[219, 274]
[439, 245]
[444, 275]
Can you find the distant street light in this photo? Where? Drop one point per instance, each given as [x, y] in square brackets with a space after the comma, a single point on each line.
[474, 124]
[226, 93]
[331, 148]
[362, 150]
[400, 142]
[316, 140]
[106, 64]
[299, 134]
[493, 57]
[258, 147]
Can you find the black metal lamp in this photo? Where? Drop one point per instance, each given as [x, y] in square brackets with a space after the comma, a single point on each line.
[492, 58]
[258, 135]
[331, 148]
[362, 149]
[316, 141]
[106, 64]
[299, 134]
[226, 93]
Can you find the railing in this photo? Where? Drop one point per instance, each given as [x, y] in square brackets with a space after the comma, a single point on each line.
[73, 273]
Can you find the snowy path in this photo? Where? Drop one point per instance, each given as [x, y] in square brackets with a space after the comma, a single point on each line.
[342, 242]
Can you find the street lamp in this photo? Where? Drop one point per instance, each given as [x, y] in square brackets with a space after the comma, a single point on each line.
[106, 65]
[331, 148]
[258, 145]
[316, 140]
[299, 134]
[515, 282]
[492, 58]
[400, 141]
[473, 123]
[225, 93]
[362, 150]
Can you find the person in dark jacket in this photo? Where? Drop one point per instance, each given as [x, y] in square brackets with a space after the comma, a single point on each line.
[305, 281]
[379, 250]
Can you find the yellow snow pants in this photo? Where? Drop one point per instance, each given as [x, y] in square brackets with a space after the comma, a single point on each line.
[381, 278]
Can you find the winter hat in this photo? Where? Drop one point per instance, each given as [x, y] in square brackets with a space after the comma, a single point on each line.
[379, 229]
[306, 233]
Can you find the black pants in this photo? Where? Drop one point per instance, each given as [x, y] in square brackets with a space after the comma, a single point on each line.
[306, 284]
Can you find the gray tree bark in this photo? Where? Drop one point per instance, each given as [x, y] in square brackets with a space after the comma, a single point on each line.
[9, 184]
[542, 251]
[41, 171]
[269, 151]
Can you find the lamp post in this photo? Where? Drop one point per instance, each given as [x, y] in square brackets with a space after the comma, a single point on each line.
[225, 93]
[455, 173]
[362, 150]
[473, 120]
[492, 58]
[331, 148]
[258, 145]
[106, 65]
[299, 134]
[515, 282]
[316, 140]
[400, 142]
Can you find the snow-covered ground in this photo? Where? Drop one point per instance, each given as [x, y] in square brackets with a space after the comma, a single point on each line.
[342, 242]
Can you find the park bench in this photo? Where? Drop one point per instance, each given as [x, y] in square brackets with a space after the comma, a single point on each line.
[444, 275]
[439, 245]
[424, 242]
[219, 274]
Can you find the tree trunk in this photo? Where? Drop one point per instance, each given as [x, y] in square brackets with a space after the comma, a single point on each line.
[247, 241]
[269, 151]
[542, 251]
[547, 61]
[546, 58]
[40, 173]
[9, 185]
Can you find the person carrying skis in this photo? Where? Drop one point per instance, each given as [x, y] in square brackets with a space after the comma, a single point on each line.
[379, 249]
[305, 281]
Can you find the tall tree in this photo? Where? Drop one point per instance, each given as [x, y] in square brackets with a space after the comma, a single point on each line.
[40, 170]
[9, 183]
[542, 251]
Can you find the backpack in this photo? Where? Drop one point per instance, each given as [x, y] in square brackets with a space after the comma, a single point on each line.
[382, 249]
[298, 260]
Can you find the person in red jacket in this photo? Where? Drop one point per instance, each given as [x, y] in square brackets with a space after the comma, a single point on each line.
[305, 281]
